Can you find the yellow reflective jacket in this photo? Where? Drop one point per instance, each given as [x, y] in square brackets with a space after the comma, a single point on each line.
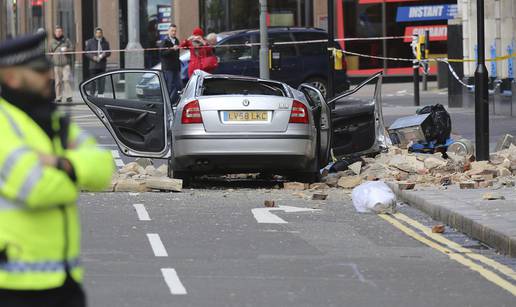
[39, 223]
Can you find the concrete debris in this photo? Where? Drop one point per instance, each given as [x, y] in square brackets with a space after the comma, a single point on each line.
[299, 186]
[349, 182]
[164, 184]
[269, 203]
[415, 169]
[134, 177]
[319, 196]
[144, 162]
[491, 196]
[406, 185]
[319, 186]
[356, 167]
[438, 228]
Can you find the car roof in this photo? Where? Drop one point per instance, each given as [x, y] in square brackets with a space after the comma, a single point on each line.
[272, 30]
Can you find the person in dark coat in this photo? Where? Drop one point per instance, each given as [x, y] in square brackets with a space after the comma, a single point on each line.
[170, 64]
[97, 51]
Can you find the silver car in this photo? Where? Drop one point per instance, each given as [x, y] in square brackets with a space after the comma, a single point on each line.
[232, 124]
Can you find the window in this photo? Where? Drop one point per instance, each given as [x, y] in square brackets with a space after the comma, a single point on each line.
[311, 48]
[223, 86]
[287, 50]
[230, 52]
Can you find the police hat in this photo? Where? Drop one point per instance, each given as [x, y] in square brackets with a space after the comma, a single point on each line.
[27, 50]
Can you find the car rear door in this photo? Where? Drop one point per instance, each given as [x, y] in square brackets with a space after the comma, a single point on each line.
[135, 108]
[290, 68]
[322, 117]
[357, 125]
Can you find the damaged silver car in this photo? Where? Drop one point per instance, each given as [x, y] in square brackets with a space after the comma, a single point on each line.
[233, 124]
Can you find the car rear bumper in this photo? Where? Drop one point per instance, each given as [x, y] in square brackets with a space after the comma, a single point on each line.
[243, 153]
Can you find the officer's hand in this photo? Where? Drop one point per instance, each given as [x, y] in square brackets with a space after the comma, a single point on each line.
[48, 160]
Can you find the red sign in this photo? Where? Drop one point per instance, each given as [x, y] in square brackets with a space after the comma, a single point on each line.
[437, 32]
[380, 1]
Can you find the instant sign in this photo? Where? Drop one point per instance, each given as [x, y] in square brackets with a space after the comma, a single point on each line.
[426, 12]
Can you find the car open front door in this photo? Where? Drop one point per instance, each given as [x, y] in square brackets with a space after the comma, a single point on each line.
[357, 121]
[135, 108]
[322, 117]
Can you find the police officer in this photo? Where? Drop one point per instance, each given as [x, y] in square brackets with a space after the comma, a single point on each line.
[45, 161]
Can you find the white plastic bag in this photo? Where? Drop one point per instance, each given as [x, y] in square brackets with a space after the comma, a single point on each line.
[374, 196]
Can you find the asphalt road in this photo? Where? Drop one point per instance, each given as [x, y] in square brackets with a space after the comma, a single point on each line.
[206, 247]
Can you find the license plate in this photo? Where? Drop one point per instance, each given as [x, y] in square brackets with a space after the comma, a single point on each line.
[139, 91]
[246, 116]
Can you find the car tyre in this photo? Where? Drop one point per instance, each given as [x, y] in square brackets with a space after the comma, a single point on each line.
[318, 83]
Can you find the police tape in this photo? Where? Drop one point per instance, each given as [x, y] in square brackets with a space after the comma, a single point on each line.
[315, 41]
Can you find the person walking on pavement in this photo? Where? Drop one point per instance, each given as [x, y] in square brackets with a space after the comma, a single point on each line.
[170, 64]
[45, 161]
[62, 65]
[97, 51]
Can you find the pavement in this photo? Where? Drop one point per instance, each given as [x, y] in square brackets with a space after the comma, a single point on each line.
[492, 222]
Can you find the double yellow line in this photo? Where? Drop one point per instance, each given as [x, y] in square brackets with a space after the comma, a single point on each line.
[456, 252]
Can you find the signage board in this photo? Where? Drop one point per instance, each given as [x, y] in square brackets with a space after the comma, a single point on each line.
[426, 12]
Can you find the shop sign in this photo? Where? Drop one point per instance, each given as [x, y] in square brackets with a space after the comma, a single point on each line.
[426, 12]
[164, 20]
[437, 32]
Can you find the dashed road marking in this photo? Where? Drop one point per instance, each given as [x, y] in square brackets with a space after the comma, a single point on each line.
[116, 156]
[487, 274]
[143, 215]
[173, 281]
[157, 246]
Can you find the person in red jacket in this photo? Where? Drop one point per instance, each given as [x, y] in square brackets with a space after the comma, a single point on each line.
[201, 53]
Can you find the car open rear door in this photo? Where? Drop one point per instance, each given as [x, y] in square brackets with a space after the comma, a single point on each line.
[357, 125]
[134, 106]
[322, 117]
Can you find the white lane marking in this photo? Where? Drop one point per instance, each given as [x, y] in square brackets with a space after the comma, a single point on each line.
[157, 246]
[116, 156]
[265, 216]
[173, 281]
[143, 215]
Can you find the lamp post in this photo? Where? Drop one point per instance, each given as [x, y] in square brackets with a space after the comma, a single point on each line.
[264, 43]
[481, 91]
[330, 88]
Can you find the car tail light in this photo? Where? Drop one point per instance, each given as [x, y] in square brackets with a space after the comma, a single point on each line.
[299, 113]
[191, 113]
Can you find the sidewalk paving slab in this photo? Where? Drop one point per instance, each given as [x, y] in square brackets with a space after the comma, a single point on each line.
[492, 222]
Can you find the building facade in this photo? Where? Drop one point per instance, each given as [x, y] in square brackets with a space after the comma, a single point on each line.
[354, 18]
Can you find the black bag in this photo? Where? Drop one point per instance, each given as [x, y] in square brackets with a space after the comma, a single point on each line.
[440, 128]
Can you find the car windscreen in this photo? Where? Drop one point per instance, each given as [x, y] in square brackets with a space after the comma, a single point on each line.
[224, 86]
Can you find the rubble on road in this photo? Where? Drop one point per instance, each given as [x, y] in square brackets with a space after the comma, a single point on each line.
[438, 228]
[411, 170]
[142, 176]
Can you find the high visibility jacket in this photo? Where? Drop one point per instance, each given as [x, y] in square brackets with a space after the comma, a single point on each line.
[39, 224]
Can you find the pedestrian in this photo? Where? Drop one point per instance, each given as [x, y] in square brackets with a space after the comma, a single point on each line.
[61, 47]
[97, 50]
[45, 161]
[201, 52]
[170, 64]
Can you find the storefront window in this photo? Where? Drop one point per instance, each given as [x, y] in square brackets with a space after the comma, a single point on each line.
[8, 12]
[227, 15]
[365, 19]
[65, 18]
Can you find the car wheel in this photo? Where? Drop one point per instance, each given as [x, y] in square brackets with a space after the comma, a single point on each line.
[318, 83]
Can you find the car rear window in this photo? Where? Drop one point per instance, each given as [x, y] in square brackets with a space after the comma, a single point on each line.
[223, 86]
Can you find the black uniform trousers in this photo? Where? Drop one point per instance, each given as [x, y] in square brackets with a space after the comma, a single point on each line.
[70, 294]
